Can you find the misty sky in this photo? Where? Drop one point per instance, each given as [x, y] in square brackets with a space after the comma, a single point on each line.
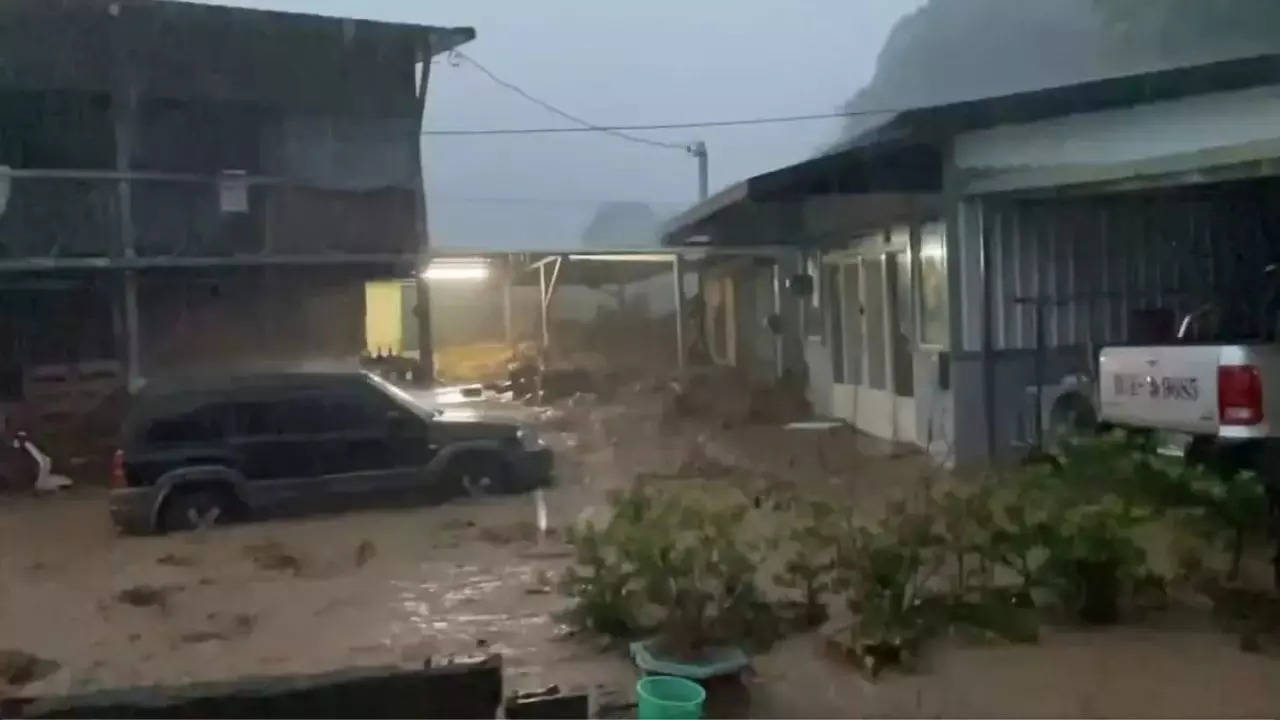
[615, 62]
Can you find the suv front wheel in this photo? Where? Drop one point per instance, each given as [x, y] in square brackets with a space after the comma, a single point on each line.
[476, 474]
[196, 507]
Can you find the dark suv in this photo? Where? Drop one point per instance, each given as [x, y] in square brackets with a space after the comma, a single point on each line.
[197, 452]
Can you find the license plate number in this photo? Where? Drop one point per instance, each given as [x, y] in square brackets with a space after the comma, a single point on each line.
[1168, 387]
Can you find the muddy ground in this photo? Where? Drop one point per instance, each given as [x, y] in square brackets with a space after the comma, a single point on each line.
[399, 586]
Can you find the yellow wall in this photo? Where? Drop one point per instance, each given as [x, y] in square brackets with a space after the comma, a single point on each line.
[383, 315]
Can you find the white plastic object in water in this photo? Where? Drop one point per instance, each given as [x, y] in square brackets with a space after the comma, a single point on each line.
[46, 481]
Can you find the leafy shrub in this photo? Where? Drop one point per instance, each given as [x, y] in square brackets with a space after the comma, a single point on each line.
[810, 563]
[678, 564]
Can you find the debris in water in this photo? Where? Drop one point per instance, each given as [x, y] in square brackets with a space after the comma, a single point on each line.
[175, 560]
[365, 552]
[507, 534]
[20, 668]
[271, 555]
[146, 596]
[224, 628]
[540, 584]
[201, 636]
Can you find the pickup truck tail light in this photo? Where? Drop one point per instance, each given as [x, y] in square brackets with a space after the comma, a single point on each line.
[1239, 395]
[117, 470]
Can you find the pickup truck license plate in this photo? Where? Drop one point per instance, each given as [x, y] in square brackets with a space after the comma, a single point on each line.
[1155, 387]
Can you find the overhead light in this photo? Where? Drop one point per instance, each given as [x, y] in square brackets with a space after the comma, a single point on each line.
[624, 257]
[456, 269]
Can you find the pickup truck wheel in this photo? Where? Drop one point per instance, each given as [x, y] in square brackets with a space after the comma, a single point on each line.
[1072, 417]
[193, 508]
[479, 474]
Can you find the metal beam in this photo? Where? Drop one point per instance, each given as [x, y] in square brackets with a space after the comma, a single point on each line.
[777, 311]
[124, 104]
[425, 375]
[41, 264]
[542, 305]
[985, 263]
[551, 286]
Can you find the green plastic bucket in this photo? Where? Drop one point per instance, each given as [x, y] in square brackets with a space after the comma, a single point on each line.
[663, 697]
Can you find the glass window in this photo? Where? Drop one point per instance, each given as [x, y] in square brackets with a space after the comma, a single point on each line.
[935, 321]
[345, 412]
[196, 426]
[253, 419]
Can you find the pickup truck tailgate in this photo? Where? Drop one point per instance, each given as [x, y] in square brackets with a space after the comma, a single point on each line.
[1171, 387]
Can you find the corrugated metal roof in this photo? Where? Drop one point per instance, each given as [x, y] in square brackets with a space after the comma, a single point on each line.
[904, 155]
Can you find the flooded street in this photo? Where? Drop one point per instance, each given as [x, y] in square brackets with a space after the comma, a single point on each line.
[402, 586]
[285, 596]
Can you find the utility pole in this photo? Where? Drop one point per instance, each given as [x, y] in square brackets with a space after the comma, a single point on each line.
[698, 149]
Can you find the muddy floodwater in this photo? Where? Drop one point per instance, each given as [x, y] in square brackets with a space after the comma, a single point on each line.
[400, 586]
[285, 596]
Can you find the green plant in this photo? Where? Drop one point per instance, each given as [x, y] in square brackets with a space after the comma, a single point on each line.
[605, 580]
[811, 563]
[1230, 507]
[1025, 515]
[1092, 553]
[1223, 502]
[675, 563]
[968, 526]
[887, 572]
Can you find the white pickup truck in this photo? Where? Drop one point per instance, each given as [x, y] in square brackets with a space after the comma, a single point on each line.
[1227, 393]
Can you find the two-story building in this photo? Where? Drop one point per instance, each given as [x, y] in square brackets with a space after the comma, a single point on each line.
[184, 185]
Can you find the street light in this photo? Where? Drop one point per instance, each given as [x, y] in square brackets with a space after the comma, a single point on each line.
[456, 269]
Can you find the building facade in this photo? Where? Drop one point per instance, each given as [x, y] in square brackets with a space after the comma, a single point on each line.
[970, 260]
[188, 185]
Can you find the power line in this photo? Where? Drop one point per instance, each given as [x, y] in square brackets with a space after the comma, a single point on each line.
[514, 200]
[587, 126]
[671, 126]
[620, 131]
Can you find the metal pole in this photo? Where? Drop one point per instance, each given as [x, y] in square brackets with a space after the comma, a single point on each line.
[1041, 299]
[127, 97]
[422, 311]
[699, 150]
[542, 304]
[677, 272]
[777, 312]
[988, 340]
[507, 278]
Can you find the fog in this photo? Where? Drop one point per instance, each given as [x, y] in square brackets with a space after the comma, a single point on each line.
[663, 61]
